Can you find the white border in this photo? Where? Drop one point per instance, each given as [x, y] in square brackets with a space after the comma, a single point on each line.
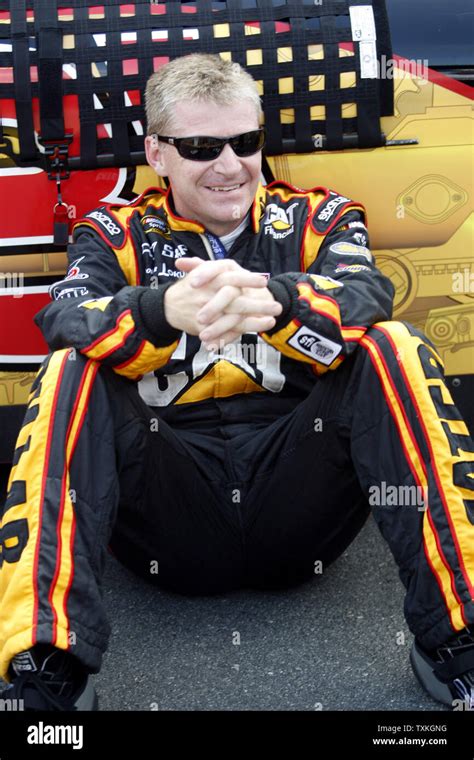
[22, 358]
[27, 290]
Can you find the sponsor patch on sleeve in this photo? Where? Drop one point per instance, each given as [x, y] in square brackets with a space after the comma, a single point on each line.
[357, 224]
[352, 268]
[96, 303]
[351, 249]
[361, 238]
[58, 293]
[314, 345]
[107, 226]
[325, 283]
[74, 272]
[328, 211]
[62, 288]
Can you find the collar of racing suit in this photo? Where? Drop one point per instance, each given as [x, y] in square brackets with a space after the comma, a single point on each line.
[180, 223]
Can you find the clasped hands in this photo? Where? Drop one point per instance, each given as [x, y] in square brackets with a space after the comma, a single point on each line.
[219, 301]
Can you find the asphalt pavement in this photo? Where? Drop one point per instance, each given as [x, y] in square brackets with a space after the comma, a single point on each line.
[338, 642]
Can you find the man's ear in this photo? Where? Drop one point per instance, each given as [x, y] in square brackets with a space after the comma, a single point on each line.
[154, 155]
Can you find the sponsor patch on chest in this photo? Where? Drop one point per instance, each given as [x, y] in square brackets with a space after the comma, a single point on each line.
[279, 222]
[154, 224]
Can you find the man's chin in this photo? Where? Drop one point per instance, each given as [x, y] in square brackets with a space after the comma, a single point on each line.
[229, 210]
[227, 221]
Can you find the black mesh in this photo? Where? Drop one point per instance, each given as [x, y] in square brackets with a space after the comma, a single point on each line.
[104, 77]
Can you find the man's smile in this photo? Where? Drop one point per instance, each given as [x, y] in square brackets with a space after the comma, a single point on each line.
[224, 188]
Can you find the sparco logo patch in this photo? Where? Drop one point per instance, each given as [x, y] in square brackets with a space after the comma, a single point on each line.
[106, 222]
[328, 211]
[314, 345]
[22, 662]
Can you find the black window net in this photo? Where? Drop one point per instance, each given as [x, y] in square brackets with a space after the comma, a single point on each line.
[93, 60]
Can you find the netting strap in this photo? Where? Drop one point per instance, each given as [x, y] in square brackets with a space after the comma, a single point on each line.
[85, 96]
[333, 105]
[22, 83]
[50, 70]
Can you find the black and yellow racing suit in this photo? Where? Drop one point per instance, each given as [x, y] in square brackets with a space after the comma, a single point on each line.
[251, 466]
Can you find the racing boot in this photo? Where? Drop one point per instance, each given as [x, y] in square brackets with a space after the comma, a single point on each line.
[447, 673]
[46, 678]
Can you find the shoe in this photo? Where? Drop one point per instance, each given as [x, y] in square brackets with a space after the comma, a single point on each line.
[447, 673]
[46, 678]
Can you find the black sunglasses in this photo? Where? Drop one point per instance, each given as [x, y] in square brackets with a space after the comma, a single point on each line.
[209, 148]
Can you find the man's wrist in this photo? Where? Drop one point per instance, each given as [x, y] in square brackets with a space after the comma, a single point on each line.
[267, 295]
[262, 294]
[171, 314]
[149, 315]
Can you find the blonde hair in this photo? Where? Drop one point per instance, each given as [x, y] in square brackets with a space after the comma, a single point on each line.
[199, 76]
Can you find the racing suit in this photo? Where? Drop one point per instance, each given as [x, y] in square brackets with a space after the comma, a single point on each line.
[207, 471]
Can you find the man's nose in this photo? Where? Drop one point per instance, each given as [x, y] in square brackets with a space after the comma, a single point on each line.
[227, 162]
